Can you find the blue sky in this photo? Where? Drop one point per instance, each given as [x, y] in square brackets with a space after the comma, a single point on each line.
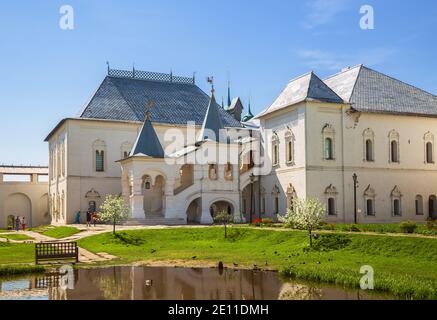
[49, 73]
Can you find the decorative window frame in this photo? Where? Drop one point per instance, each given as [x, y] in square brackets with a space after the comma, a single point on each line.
[99, 145]
[228, 172]
[396, 194]
[368, 134]
[289, 147]
[369, 194]
[331, 193]
[328, 131]
[211, 167]
[428, 138]
[275, 151]
[394, 136]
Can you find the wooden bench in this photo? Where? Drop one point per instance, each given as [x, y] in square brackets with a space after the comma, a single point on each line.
[56, 251]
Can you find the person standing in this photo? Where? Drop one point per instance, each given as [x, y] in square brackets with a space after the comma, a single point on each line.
[88, 218]
[17, 223]
[94, 218]
[23, 223]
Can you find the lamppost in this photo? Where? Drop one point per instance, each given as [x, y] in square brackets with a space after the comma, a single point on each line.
[355, 177]
[252, 179]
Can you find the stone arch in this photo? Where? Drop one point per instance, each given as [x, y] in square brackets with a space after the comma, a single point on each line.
[18, 204]
[43, 210]
[220, 204]
[153, 191]
[194, 211]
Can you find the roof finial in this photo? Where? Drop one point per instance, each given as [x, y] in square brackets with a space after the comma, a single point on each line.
[211, 81]
[133, 69]
[107, 64]
[149, 106]
[223, 102]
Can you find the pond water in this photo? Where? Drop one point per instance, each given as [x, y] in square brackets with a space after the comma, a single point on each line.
[169, 283]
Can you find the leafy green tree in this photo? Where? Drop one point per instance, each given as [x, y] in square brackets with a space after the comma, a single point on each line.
[224, 218]
[114, 210]
[306, 214]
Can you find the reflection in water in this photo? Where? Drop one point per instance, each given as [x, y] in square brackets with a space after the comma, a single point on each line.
[152, 283]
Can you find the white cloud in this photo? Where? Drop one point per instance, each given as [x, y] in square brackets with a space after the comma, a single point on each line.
[323, 12]
[323, 60]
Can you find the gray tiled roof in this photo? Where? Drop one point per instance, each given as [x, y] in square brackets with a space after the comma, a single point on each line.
[371, 91]
[212, 127]
[147, 143]
[306, 87]
[122, 98]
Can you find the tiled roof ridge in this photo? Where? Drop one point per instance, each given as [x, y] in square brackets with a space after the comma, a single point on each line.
[150, 76]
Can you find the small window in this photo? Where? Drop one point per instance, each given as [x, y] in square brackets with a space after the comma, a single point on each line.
[212, 171]
[331, 207]
[394, 151]
[100, 159]
[429, 156]
[276, 205]
[147, 185]
[370, 208]
[328, 149]
[396, 207]
[369, 150]
[419, 205]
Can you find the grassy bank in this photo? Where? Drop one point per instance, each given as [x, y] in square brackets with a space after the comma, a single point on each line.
[16, 253]
[20, 269]
[15, 236]
[403, 266]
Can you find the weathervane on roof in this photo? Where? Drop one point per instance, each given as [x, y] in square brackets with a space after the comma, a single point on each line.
[211, 81]
[149, 106]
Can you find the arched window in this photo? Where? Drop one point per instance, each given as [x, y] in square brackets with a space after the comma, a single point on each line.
[328, 134]
[369, 207]
[396, 197]
[331, 207]
[369, 150]
[99, 148]
[328, 149]
[331, 196]
[289, 147]
[419, 205]
[429, 157]
[369, 138]
[369, 201]
[394, 146]
[394, 151]
[275, 150]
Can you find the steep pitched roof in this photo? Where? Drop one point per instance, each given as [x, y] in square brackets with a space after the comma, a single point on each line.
[371, 91]
[212, 127]
[147, 143]
[308, 87]
[122, 98]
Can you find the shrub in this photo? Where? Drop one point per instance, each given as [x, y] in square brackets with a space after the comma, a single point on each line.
[431, 224]
[408, 226]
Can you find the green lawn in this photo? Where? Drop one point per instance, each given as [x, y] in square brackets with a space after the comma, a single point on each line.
[403, 266]
[60, 232]
[16, 236]
[16, 253]
[379, 228]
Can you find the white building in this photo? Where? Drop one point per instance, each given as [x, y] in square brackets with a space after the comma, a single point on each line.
[312, 139]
